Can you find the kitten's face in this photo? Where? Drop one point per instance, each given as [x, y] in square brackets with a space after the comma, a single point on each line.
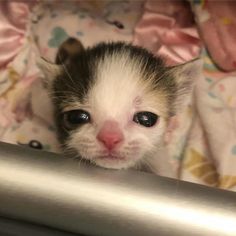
[116, 134]
[125, 119]
[112, 104]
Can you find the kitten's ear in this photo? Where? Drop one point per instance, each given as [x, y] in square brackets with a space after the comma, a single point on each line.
[50, 70]
[185, 76]
[68, 50]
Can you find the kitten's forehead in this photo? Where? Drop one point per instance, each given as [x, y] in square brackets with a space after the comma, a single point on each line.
[121, 89]
[117, 76]
[118, 84]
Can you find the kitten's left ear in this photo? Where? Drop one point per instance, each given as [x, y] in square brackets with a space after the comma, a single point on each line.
[49, 69]
[185, 76]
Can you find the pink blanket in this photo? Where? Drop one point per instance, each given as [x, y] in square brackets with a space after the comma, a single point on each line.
[217, 23]
[167, 28]
[201, 141]
[13, 23]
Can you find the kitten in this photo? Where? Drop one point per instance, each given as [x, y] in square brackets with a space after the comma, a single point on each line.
[112, 102]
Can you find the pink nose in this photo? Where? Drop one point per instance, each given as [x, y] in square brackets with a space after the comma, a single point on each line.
[110, 135]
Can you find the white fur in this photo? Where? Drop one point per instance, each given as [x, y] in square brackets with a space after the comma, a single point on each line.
[50, 70]
[119, 92]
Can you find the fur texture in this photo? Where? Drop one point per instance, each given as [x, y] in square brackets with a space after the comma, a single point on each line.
[112, 82]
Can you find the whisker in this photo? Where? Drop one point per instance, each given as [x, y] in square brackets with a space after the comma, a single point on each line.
[69, 76]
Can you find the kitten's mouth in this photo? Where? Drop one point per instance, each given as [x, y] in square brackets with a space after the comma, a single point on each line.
[111, 157]
[114, 160]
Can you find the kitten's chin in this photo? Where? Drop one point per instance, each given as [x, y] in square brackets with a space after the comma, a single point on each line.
[114, 163]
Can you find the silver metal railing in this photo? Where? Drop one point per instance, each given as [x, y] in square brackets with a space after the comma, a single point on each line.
[51, 190]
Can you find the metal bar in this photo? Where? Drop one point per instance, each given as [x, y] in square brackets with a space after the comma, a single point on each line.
[10, 227]
[59, 192]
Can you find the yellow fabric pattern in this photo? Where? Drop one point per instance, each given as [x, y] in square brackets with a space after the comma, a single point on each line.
[201, 168]
[227, 181]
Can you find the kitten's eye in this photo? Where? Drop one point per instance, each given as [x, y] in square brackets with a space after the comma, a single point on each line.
[74, 118]
[145, 118]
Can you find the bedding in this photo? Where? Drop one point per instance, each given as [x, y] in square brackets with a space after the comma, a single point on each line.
[201, 141]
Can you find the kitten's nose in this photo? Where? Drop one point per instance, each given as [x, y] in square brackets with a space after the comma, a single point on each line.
[110, 135]
[110, 140]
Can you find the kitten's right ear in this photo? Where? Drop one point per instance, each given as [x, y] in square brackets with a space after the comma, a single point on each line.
[68, 50]
[50, 70]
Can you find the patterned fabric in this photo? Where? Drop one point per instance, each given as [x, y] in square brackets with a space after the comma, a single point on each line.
[26, 112]
[210, 153]
[90, 23]
[200, 141]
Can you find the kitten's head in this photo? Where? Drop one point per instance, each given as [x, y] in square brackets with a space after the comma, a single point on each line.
[113, 101]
